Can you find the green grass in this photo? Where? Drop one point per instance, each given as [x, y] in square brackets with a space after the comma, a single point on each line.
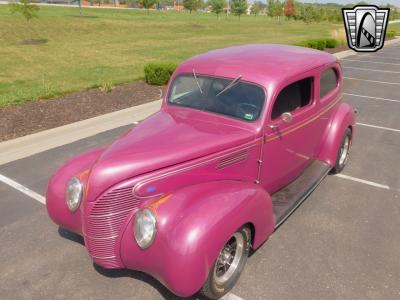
[112, 46]
[395, 26]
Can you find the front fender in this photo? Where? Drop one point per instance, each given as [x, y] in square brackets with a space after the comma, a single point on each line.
[55, 196]
[193, 226]
[341, 119]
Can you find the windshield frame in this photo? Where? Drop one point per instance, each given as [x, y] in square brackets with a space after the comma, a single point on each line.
[260, 116]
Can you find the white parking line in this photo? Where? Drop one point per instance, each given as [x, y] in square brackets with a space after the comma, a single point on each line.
[382, 57]
[375, 81]
[371, 183]
[231, 296]
[369, 97]
[378, 127]
[372, 62]
[22, 189]
[374, 70]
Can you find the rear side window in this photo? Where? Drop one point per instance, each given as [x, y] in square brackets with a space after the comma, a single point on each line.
[293, 97]
[329, 81]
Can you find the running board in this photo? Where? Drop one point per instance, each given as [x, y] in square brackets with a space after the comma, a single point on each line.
[291, 196]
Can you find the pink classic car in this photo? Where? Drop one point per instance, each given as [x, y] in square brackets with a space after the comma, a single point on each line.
[243, 136]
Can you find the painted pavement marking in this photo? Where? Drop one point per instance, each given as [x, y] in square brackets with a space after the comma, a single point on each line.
[378, 127]
[367, 182]
[22, 189]
[375, 81]
[374, 98]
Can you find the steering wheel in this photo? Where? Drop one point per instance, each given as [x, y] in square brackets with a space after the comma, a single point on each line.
[246, 110]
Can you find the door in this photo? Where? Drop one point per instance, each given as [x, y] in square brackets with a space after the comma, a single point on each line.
[291, 136]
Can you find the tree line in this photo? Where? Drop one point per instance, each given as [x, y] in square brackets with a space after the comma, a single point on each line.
[276, 9]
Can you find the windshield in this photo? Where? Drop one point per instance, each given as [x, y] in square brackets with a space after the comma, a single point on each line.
[230, 97]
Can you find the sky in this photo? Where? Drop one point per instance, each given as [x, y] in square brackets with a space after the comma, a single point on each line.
[376, 2]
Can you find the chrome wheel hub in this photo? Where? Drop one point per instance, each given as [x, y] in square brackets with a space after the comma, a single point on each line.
[229, 258]
[344, 151]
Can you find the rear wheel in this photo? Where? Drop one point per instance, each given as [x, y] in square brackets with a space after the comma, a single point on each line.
[229, 265]
[343, 152]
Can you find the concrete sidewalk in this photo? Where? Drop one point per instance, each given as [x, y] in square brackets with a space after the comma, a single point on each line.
[34, 143]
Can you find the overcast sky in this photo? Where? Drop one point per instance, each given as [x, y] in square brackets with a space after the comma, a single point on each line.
[376, 2]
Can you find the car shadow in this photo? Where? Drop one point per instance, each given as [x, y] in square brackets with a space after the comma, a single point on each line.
[69, 235]
[118, 273]
[137, 275]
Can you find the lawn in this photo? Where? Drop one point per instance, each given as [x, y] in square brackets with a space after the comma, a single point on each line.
[111, 46]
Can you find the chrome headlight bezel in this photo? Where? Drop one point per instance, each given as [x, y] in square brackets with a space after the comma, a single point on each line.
[145, 228]
[73, 194]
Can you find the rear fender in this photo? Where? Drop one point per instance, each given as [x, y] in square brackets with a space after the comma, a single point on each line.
[193, 225]
[341, 119]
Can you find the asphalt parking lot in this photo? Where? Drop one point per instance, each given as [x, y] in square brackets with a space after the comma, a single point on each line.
[342, 243]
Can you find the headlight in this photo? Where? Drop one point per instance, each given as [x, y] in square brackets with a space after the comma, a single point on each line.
[74, 193]
[144, 228]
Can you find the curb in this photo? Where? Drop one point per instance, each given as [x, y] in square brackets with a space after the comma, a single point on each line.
[48, 139]
[347, 53]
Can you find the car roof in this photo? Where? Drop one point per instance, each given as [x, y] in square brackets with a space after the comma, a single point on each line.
[264, 64]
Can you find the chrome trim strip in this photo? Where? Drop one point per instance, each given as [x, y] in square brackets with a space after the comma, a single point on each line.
[104, 257]
[111, 214]
[100, 239]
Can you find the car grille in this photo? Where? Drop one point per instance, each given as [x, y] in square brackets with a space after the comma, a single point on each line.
[102, 225]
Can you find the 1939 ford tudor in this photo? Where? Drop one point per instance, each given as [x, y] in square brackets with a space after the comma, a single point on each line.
[243, 136]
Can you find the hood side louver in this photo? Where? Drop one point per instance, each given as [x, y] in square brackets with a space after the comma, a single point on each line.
[232, 159]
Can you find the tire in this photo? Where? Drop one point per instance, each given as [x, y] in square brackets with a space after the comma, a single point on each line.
[343, 152]
[229, 265]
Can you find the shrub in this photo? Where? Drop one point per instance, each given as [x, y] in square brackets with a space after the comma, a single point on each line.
[390, 34]
[319, 44]
[331, 43]
[158, 73]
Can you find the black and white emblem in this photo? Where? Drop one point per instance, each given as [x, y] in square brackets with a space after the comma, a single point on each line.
[365, 27]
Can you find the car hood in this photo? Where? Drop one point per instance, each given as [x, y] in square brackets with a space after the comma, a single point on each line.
[163, 140]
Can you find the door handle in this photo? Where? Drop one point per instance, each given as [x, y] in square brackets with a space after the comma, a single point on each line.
[273, 127]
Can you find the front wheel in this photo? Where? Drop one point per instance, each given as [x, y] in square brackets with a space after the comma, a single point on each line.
[229, 265]
[343, 152]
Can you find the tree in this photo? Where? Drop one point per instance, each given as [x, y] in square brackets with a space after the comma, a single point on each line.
[27, 10]
[239, 7]
[191, 5]
[308, 13]
[254, 9]
[275, 9]
[80, 5]
[257, 7]
[147, 4]
[289, 10]
[217, 6]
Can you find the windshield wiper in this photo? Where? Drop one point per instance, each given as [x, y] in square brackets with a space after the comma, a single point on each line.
[230, 85]
[197, 81]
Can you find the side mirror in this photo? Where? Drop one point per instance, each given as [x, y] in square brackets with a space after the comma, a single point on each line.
[287, 117]
[161, 94]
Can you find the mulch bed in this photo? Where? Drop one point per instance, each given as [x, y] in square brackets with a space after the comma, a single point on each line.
[35, 116]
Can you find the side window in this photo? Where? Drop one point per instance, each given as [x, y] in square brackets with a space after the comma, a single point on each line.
[292, 97]
[329, 81]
